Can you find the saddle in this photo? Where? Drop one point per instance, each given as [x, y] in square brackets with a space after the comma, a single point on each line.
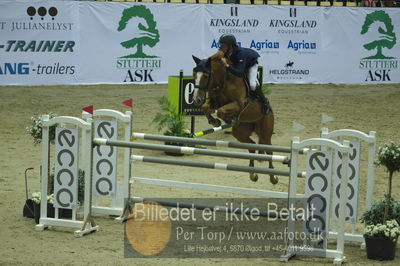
[256, 107]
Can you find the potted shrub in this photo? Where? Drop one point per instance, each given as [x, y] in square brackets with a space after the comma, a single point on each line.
[383, 218]
[381, 240]
[35, 130]
[36, 198]
[172, 121]
[389, 156]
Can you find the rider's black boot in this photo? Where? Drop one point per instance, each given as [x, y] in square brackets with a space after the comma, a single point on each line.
[264, 100]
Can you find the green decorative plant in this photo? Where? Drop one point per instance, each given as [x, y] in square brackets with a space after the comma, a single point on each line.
[170, 119]
[375, 214]
[383, 218]
[36, 128]
[389, 156]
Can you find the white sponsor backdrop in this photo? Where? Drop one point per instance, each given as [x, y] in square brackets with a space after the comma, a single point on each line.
[112, 42]
[39, 42]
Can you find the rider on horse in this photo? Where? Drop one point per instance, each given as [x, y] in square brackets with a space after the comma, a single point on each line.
[244, 64]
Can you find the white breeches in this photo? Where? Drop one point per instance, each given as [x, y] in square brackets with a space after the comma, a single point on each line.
[252, 75]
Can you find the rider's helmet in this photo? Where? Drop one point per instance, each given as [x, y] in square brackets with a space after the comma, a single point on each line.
[227, 39]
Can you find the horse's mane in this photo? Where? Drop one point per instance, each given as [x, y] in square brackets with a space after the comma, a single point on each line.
[217, 56]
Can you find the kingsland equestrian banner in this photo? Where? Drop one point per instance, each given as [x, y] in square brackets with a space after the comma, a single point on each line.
[81, 42]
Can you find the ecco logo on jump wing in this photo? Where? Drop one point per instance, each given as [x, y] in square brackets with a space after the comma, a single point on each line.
[139, 65]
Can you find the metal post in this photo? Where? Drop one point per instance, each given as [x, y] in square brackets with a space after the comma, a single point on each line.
[180, 91]
[192, 125]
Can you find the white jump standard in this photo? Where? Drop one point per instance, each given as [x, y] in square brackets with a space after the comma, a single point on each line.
[105, 167]
[352, 206]
[67, 158]
[318, 188]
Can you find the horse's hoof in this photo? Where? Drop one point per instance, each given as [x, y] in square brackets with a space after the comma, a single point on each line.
[221, 114]
[254, 177]
[216, 123]
[274, 180]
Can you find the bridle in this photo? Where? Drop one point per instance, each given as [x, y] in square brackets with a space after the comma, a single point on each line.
[207, 87]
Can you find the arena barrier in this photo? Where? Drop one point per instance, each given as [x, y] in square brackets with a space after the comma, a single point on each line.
[70, 155]
[105, 168]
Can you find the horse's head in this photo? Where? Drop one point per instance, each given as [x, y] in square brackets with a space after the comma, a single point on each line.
[202, 78]
[207, 75]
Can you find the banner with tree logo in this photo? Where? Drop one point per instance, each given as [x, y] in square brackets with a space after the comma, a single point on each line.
[362, 46]
[86, 42]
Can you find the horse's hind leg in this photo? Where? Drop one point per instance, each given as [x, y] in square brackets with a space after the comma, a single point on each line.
[242, 132]
[264, 130]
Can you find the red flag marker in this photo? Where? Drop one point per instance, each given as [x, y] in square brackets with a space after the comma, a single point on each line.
[128, 102]
[88, 109]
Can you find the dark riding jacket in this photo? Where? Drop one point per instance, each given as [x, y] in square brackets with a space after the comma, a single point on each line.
[242, 59]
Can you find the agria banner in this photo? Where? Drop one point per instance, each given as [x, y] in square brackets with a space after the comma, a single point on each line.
[85, 42]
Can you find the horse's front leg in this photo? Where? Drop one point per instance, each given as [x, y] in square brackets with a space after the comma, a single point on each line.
[206, 108]
[232, 108]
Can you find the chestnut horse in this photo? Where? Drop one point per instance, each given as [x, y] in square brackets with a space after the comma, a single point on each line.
[228, 95]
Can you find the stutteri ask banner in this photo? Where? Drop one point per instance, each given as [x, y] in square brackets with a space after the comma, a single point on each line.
[124, 43]
[362, 45]
[81, 42]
